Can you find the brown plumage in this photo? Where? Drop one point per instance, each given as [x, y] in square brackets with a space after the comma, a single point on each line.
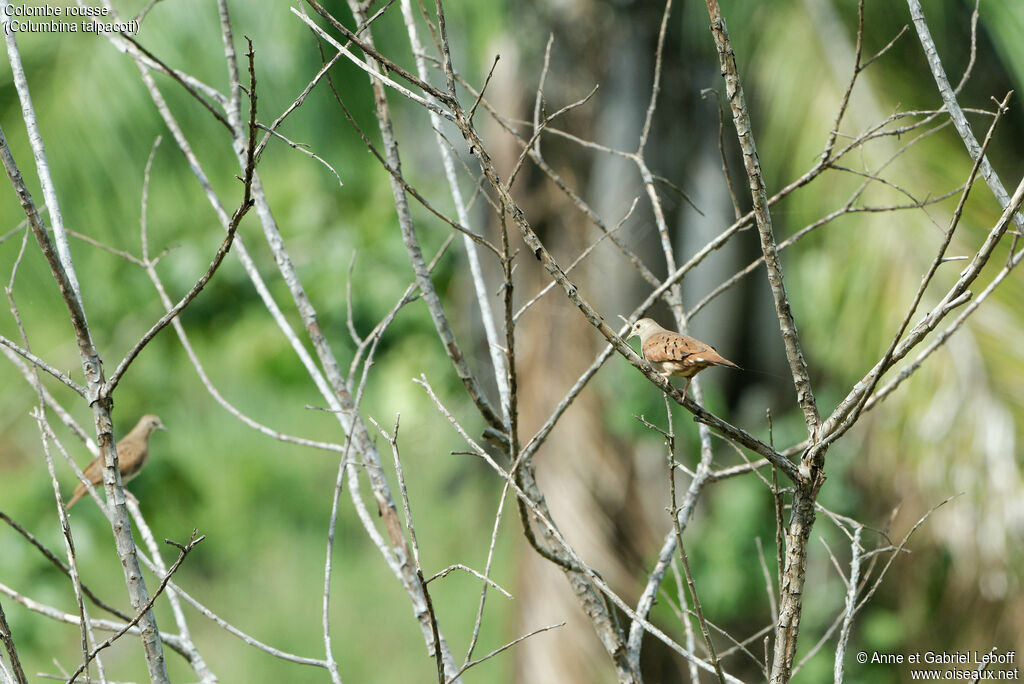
[132, 452]
[674, 354]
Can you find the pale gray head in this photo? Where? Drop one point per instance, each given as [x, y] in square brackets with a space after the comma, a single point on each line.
[149, 423]
[644, 328]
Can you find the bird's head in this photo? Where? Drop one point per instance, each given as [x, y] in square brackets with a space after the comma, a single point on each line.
[151, 423]
[643, 328]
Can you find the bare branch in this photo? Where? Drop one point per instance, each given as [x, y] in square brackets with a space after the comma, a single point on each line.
[744, 129]
[954, 110]
[185, 550]
[851, 603]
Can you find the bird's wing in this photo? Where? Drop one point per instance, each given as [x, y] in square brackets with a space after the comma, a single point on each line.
[670, 346]
[131, 454]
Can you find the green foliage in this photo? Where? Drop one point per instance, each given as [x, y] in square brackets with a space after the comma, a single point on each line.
[264, 505]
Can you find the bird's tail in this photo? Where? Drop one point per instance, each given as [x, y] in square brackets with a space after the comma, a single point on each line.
[714, 357]
[75, 496]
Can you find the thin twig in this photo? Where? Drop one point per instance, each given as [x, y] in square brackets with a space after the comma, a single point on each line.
[222, 251]
[955, 112]
[184, 549]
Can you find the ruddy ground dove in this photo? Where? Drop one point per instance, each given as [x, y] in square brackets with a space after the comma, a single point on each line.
[672, 353]
[132, 452]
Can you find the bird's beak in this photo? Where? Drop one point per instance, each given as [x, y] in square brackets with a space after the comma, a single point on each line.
[161, 426]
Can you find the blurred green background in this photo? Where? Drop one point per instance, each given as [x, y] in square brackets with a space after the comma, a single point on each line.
[264, 505]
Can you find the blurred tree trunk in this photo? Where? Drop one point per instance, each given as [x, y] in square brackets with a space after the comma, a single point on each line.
[608, 498]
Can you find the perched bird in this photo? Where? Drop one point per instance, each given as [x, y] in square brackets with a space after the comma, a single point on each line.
[132, 452]
[674, 354]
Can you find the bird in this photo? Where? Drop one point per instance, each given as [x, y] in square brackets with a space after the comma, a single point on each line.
[673, 353]
[132, 452]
